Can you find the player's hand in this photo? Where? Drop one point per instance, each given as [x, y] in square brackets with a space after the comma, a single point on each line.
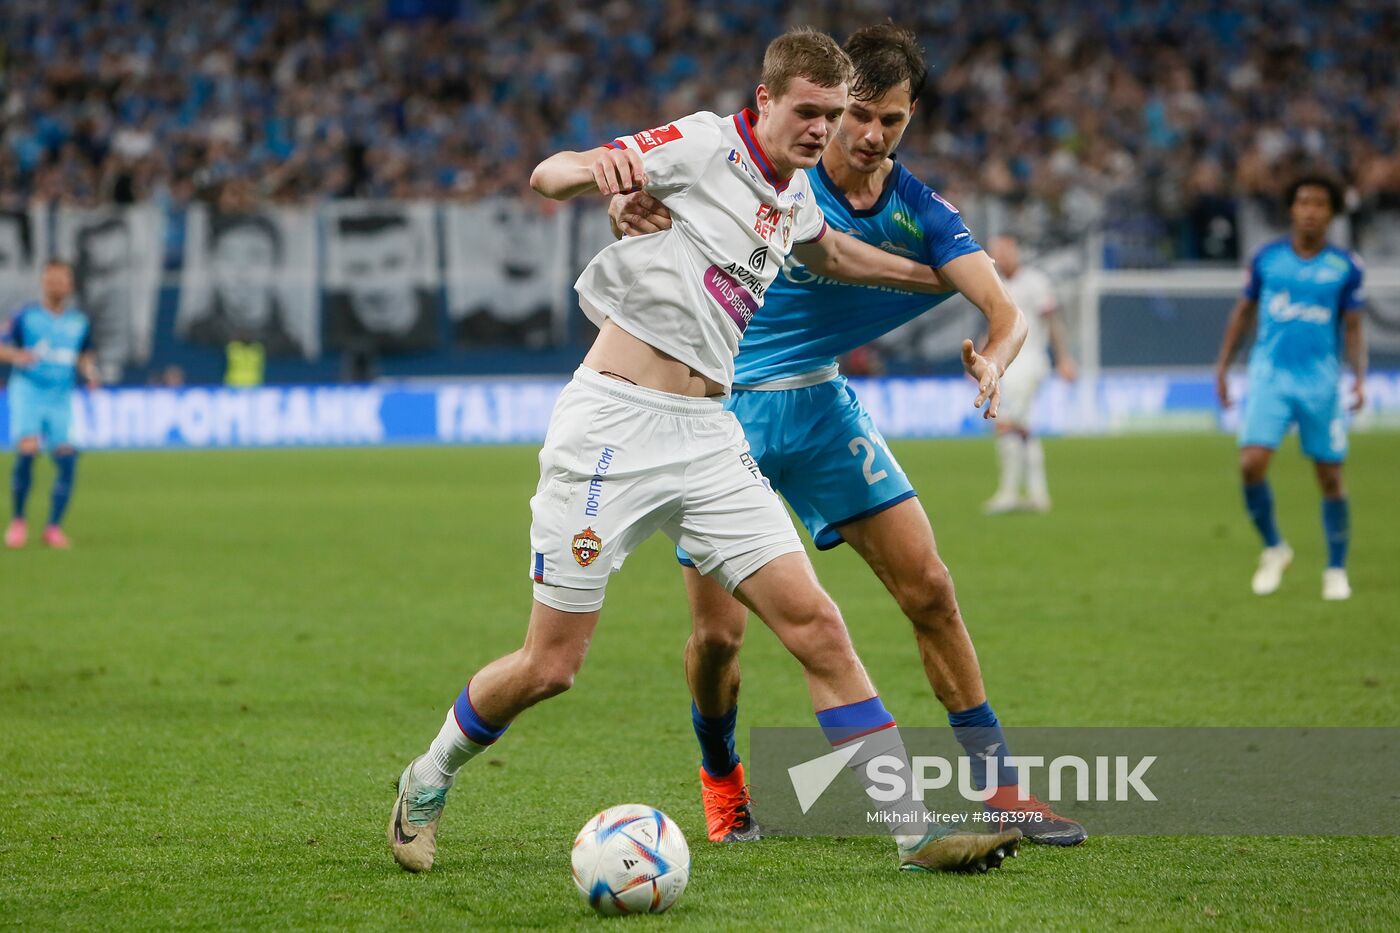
[618, 171]
[24, 358]
[1358, 396]
[638, 214]
[1222, 388]
[1067, 370]
[988, 376]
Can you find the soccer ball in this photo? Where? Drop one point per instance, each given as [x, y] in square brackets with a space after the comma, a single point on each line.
[630, 859]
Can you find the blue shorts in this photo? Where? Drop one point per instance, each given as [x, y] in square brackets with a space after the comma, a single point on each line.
[821, 450]
[39, 412]
[1269, 410]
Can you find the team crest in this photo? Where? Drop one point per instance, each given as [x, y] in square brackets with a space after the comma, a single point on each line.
[787, 226]
[586, 547]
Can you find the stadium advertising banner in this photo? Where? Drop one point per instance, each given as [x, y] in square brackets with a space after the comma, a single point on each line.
[507, 411]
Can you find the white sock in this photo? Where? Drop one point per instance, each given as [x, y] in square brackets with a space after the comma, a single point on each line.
[449, 751]
[1036, 487]
[1010, 453]
[907, 818]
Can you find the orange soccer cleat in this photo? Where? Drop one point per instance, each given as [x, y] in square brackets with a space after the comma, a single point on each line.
[726, 800]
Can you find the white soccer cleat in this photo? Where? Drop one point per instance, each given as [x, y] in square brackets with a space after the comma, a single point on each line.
[1039, 504]
[413, 823]
[1001, 505]
[1273, 561]
[1335, 584]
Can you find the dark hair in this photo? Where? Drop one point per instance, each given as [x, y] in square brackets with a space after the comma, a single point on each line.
[56, 261]
[221, 225]
[885, 56]
[1336, 192]
[804, 53]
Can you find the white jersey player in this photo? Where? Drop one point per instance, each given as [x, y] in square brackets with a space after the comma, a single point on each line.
[1022, 459]
[639, 441]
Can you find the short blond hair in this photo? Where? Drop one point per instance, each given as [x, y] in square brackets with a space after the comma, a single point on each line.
[804, 53]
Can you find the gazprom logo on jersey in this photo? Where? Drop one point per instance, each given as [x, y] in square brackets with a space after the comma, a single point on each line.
[1282, 308]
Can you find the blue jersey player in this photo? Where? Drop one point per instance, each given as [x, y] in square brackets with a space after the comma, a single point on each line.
[1305, 295]
[821, 450]
[47, 344]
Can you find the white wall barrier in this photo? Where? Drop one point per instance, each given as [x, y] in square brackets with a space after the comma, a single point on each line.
[485, 411]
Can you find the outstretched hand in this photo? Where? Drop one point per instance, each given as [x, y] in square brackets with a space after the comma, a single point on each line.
[988, 376]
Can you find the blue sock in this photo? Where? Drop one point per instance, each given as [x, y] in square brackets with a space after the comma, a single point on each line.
[716, 735]
[1336, 522]
[472, 725]
[1259, 501]
[20, 480]
[62, 486]
[979, 733]
[844, 723]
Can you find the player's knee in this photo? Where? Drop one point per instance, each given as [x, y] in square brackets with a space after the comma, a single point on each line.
[548, 675]
[716, 643]
[64, 450]
[1331, 483]
[927, 596]
[1254, 466]
[29, 446]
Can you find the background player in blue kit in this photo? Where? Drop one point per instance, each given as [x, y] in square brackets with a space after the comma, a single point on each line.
[820, 448]
[47, 344]
[1309, 292]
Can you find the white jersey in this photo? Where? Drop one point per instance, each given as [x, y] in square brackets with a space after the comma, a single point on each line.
[691, 291]
[1035, 296]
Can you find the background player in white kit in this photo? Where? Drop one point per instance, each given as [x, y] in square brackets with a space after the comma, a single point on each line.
[1019, 454]
[639, 441]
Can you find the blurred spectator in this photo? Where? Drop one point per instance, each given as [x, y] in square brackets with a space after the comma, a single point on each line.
[1074, 114]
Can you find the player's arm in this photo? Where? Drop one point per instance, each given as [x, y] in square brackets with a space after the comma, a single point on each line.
[976, 277]
[1354, 346]
[842, 257]
[12, 349]
[1242, 320]
[604, 170]
[87, 368]
[1059, 345]
[16, 356]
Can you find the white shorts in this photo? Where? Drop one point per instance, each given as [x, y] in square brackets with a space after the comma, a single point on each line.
[1018, 388]
[620, 463]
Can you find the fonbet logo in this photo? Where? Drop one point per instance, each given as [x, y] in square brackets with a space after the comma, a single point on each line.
[1101, 778]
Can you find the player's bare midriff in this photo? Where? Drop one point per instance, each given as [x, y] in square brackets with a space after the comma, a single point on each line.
[620, 355]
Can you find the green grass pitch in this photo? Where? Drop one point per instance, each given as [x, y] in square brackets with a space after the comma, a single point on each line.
[205, 704]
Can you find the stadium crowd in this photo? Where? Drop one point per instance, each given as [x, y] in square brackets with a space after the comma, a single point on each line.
[1175, 106]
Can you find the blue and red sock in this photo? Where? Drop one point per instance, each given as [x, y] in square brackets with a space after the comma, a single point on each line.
[979, 733]
[470, 722]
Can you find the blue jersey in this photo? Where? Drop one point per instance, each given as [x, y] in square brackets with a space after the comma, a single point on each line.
[56, 339]
[1301, 303]
[808, 320]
